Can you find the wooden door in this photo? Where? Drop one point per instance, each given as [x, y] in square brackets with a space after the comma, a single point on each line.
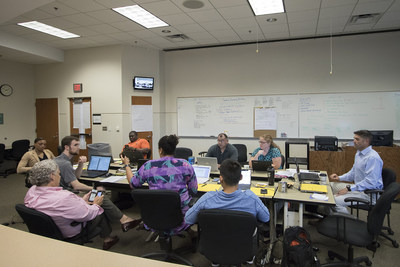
[47, 122]
[75, 131]
[148, 135]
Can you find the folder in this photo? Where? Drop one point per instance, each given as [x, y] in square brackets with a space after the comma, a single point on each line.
[314, 188]
[208, 187]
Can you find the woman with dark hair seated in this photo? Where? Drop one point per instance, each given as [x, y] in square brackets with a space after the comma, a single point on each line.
[35, 155]
[166, 173]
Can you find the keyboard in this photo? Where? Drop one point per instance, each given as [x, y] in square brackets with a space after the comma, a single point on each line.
[308, 176]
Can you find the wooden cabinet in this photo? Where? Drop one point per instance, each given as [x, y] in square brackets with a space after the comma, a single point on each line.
[341, 162]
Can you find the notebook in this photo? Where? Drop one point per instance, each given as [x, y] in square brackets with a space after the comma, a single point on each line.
[260, 165]
[202, 173]
[98, 166]
[208, 161]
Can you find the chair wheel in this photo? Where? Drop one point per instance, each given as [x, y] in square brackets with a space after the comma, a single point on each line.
[395, 244]
[369, 263]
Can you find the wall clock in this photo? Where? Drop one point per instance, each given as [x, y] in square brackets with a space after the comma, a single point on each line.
[6, 90]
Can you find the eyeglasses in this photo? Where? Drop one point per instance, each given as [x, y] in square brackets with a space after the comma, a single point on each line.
[262, 142]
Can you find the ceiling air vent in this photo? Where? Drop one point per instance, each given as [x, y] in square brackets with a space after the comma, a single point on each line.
[364, 18]
[176, 38]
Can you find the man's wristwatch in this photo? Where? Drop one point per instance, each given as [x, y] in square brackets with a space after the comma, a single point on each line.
[126, 165]
[348, 188]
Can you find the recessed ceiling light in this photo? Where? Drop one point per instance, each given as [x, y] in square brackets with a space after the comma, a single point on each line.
[38, 26]
[193, 4]
[141, 16]
[262, 7]
[271, 19]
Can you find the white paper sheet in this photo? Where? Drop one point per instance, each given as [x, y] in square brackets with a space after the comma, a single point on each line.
[113, 179]
[142, 118]
[265, 119]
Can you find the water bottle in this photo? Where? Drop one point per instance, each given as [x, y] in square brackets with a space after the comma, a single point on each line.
[271, 176]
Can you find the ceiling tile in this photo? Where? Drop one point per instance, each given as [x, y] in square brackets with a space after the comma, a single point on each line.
[372, 7]
[234, 12]
[300, 5]
[177, 19]
[226, 3]
[103, 28]
[58, 9]
[216, 25]
[82, 19]
[83, 5]
[206, 15]
[107, 16]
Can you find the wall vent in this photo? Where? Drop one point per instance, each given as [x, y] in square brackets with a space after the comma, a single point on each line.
[176, 38]
[364, 19]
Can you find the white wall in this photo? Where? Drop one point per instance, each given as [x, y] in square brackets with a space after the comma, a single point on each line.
[19, 108]
[99, 70]
[141, 62]
[362, 63]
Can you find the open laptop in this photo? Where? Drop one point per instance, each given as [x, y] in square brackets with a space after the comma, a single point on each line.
[202, 173]
[309, 176]
[208, 161]
[260, 165]
[98, 166]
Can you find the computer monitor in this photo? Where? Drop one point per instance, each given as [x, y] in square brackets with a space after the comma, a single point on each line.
[325, 143]
[382, 138]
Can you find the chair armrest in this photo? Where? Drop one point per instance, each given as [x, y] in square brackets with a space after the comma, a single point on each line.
[374, 191]
[356, 199]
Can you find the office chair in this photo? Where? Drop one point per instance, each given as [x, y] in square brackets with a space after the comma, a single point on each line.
[41, 224]
[388, 177]
[352, 231]
[18, 149]
[242, 152]
[283, 162]
[227, 236]
[202, 153]
[161, 211]
[6, 166]
[183, 153]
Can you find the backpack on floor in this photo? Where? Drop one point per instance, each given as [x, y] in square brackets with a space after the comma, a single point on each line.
[297, 248]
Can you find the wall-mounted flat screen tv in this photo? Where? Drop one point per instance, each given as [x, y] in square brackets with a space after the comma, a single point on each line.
[143, 83]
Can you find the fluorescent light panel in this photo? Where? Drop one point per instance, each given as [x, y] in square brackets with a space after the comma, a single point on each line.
[141, 16]
[264, 7]
[38, 26]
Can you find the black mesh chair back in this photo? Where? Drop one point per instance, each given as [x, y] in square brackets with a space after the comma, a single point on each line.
[388, 177]
[283, 161]
[226, 236]
[2, 151]
[19, 148]
[183, 153]
[242, 152]
[38, 222]
[41, 224]
[381, 208]
[160, 209]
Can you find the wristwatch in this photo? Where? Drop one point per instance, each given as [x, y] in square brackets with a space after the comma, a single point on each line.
[126, 165]
[348, 188]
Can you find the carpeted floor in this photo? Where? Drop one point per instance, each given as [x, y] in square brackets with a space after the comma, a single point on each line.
[12, 191]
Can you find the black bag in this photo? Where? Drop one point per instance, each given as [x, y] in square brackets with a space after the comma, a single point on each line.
[297, 248]
[133, 155]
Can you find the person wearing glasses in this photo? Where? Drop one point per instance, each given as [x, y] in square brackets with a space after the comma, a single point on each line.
[222, 150]
[268, 151]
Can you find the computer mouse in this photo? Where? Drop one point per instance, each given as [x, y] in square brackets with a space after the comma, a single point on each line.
[108, 174]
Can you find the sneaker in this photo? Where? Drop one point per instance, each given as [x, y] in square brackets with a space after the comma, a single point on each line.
[251, 261]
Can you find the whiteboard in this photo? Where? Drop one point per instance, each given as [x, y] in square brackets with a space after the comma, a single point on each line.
[209, 116]
[341, 114]
[298, 116]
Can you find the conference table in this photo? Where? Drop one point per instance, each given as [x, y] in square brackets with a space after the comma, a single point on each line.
[259, 185]
[20, 248]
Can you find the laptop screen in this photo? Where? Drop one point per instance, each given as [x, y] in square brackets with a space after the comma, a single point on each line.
[99, 163]
[202, 171]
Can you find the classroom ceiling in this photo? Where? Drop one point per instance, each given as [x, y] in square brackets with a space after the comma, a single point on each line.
[217, 22]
